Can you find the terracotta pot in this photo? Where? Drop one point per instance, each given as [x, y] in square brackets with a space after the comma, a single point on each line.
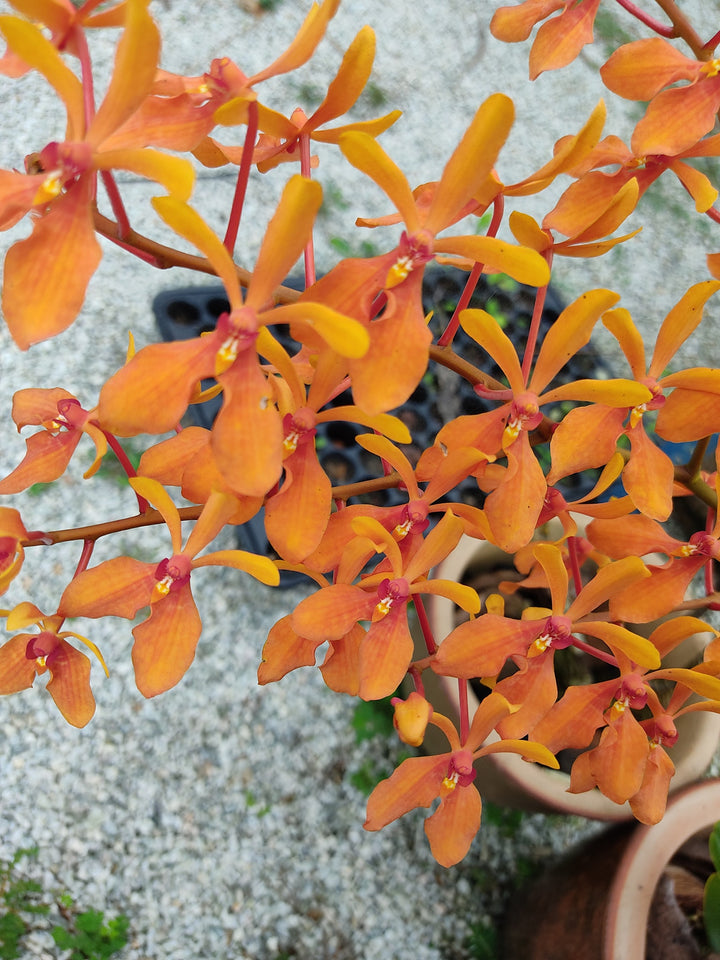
[507, 779]
[596, 904]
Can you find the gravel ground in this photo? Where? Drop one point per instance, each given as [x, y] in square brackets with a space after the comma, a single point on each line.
[222, 817]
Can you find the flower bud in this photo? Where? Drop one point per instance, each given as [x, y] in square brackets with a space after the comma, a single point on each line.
[411, 718]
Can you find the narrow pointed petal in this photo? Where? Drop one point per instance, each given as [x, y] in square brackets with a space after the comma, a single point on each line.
[365, 153]
[636, 536]
[621, 326]
[303, 45]
[463, 596]
[46, 275]
[69, 685]
[701, 683]
[697, 185]
[284, 651]
[452, 828]
[350, 80]
[115, 588]
[165, 643]
[570, 332]
[134, 72]
[174, 173]
[490, 711]
[285, 238]
[415, 783]
[471, 162]
[372, 127]
[436, 546]
[262, 568]
[637, 649]
[187, 223]
[346, 336]
[26, 40]
[677, 326]
[556, 574]
[535, 752]
[497, 256]
[670, 633]
[607, 581]
[486, 331]
[158, 496]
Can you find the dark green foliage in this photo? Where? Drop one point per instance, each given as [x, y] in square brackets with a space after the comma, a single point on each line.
[711, 902]
[89, 937]
[20, 899]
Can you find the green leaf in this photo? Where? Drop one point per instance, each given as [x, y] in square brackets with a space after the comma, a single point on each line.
[714, 844]
[711, 911]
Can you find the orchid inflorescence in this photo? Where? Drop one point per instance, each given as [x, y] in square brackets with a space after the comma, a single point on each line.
[361, 327]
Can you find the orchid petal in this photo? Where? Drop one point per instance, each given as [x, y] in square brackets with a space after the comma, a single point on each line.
[262, 568]
[452, 828]
[46, 275]
[165, 643]
[115, 588]
[497, 256]
[471, 161]
[349, 82]
[366, 154]
[680, 323]
[133, 75]
[155, 493]
[174, 173]
[607, 581]
[303, 45]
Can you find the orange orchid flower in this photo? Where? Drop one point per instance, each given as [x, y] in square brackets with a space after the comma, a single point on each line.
[595, 191]
[675, 119]
[690, 412]
[12, 554]
[638, 535]
[151, 392]
[180, 111]
[49, 451]
[62, 19]
[387, 649]
[27, 655]
[165, 642]
[407, 522]
[513, 507]
[186, 460]
[399, 336]
[281, 135]
[46, 275]
[419, 781]
[630, 762]
[558, 41]
[480, 647]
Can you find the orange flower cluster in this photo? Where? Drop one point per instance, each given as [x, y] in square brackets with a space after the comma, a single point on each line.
[361, 328]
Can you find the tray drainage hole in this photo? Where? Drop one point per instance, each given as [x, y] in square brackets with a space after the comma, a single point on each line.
[340, 434]
[338, 467]
[180, 311]
[217, 306]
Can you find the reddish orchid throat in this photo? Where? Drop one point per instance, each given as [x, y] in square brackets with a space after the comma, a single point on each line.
[298, 429]
[43, 649]
[413, 252]
[171, 574]
[389, 593]
[414, 517]
[632, 692]
[460, 771]
[525, 414]
[237, 332]
[557, 633]
[62, 163]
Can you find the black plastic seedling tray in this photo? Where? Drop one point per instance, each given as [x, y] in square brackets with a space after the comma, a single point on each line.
[185, 313]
